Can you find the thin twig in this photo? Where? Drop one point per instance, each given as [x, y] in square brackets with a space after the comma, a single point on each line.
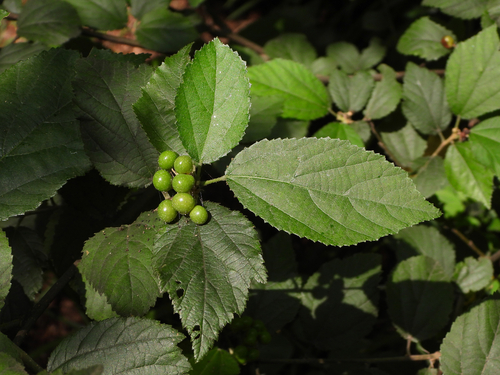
[495, 257]
[468, 242]
[111, 38]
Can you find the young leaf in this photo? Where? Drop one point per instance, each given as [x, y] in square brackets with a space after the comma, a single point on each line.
[326, 190]
[466, 9]
[471, 346]
[485, 143]
[467, 175]
[102, 14]
[96, 304]
[350, 93]
[423, 39]
[212, 103]
[472, 80]
[5, 267]
[323, 66]
[106, 86]
[385, 96]
[155, 108]
[424, 100]
[51, 22]
[207, 270]
[264, 113]
[117, 262]
[217, 361]
[340, 131]
[122, 346]
[14, 52]
[293, 47]
[419, 297]
[41, 142]
[349, 58]
[405, 144]
[305, 96]
[472, 275]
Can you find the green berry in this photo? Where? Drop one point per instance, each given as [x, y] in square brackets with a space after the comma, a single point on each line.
[253, 355]
[237, 324]
[259, 325]
[198, 215]
[183, 164]
[183, 183]
[162, 180]
[241, 354]
[183, 202]
[166, 211]
[247, 321]
[166, 159]
[265, 337]
[251, 337]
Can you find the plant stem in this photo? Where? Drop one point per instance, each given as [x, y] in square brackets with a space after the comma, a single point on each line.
[205, 183]
[468, 242]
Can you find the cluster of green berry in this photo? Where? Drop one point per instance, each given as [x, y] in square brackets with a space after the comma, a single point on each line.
[251, 332]
[183, 183]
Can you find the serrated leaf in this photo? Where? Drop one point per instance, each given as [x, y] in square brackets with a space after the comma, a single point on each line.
[471, 346]
[106, 86]
[212, 103]
[165, 31]
[305, 96]
[102, 14]
[431, 177]
[472, 80]
[96, 304]
[155, 108]
[385, 96]
[207, 271]
[51, 22]
[372, 55]
[323, 66]
[424, 100]
[350, 93]
[15, 52]
[326, 190]
[5, 267]
[8, 347]
[467, 175]
[472, 275]
[264, 113]
[216, 362]
[139, 8]
[293, 47]
[423, 39]
[485, 143]
[340, 131]
[419, 297]
[349, 58]
[118, 262]
[41, 143]
[123, 346]
[405, 144]
[465, 9]
[340, 301]
[9, 366]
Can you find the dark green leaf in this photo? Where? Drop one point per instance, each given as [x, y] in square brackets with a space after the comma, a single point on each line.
[264, 113]
[293, 47]
[8, 347]
[405, 144]
[102, 14]
[14, 52]
[326, 190]
[372, 55]
[217, 362]
[96, 304]
[3, 13]
[485, 143]
[349, 58]
[9, 366]
[472, 275]
[431, 177]
[350, 93]
[385, 96]
[340, 131]
[139, 8]
[41, 142]
[466, 9]
[195, 3]
[288, 128]
[5, 267]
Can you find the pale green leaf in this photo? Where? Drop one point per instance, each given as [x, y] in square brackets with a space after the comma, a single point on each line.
[3, 13]
[467, 175]
[471, 346]
[217, 362]
[372, 55]
[465, 9]
[472, 275]
[349, 58]
[305, 96]
[431, 177]
[419, 298]
[96, 304]
[472, 80]
[385, 96]
[340, 131]
[15, 52]
[423, 39]
[207, 270]
[9, 366]
[123, 346]
[139, 8]
[452, 200]
[363, 129]
[118, 262]
[323, 66]
[155, 108]
[485, 143]
[326, 190]
[293, 47]
[350, 93]
[5, 267]
[102, 14]
[264, 113]
[405, 144]
[41, 142]
[212, 102]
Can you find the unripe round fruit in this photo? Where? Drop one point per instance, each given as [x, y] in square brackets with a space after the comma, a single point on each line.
[253, 355]
[265, 337]
[251, 337]
[198, 215]
[183, 202]
[166, 211]
[162, 180]
[247, 321]
[448, 42]
[166, 159]
[241, 353]
[183, 164]
[259, 325]
[183, 183]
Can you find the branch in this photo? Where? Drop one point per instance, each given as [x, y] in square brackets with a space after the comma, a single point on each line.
[468, 242]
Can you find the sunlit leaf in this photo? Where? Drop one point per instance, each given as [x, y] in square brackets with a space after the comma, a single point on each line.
[473, 274]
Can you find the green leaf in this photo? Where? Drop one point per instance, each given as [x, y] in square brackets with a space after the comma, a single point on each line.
[372, 55]
[14, 6]
[363, 129]
[349, 58]
[472, 275]
[15, 52]
[207, 271]
[102, 14]
[155, 108]
[96, 304]
[485, 143]
[340, 301]
[5, 267]
[405, 144]
[41, 141]
[340, 131]
[212, 103]
[423, 39]
[385, 96]
[165, 31]
[51, 22]
[293, 47]
[419, 298]
[424, 100]
[8, 347]
[9, 366]
[431, 177]
[350, 93]
[326, 190]
[117, 262]
[3, 13]
[122, 346]
[305, 96]
[323, 66]
[453, 201]
[106, 86]
[139, 8]
[471, 346]
[264, 113]
[465, 9]
[216, 362]
[472, 80]
[288, 128]
[195, 3]
[467, 175]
